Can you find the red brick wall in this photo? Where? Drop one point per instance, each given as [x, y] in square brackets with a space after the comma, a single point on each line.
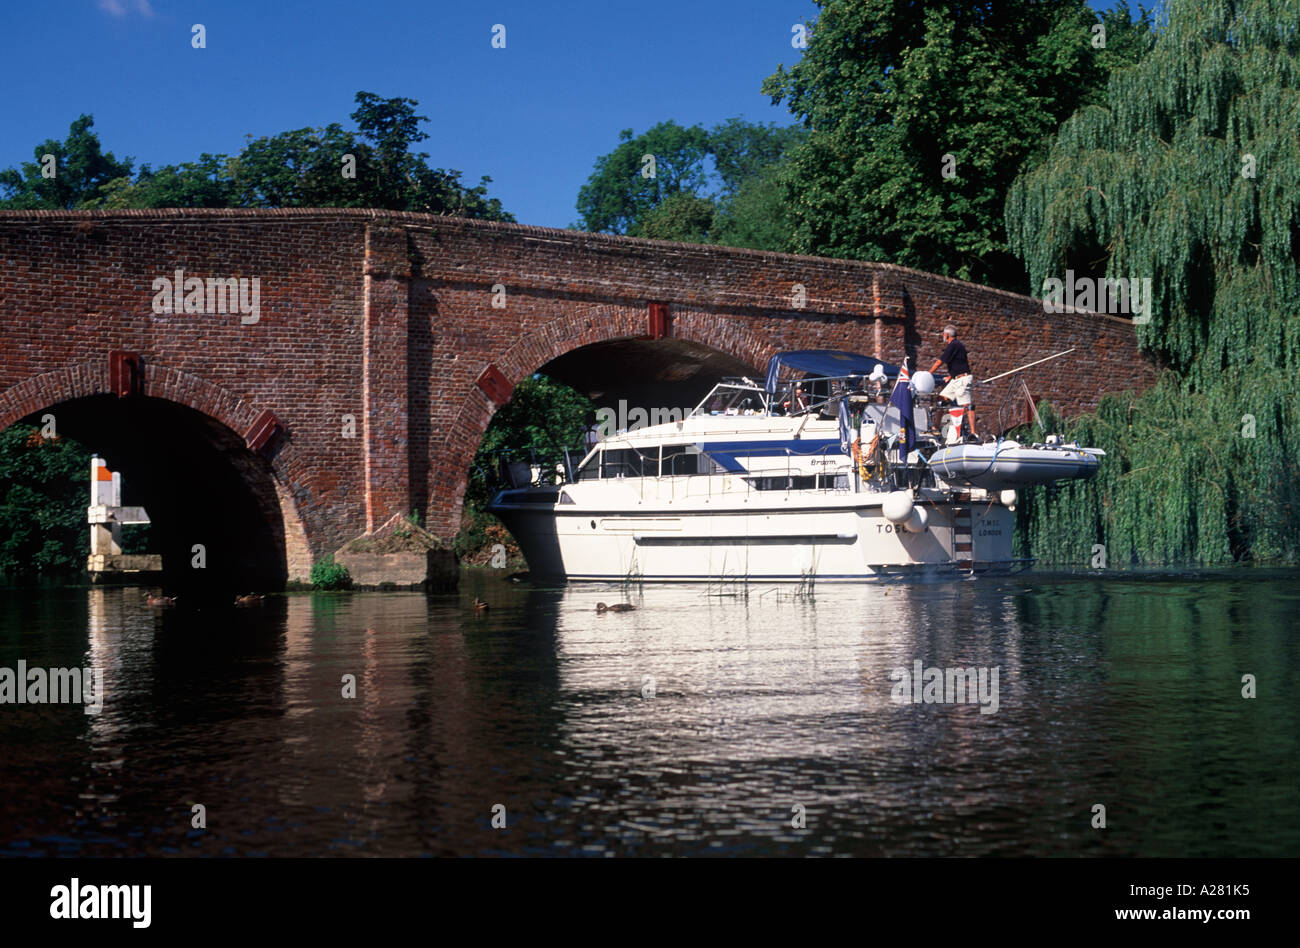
[388, 317]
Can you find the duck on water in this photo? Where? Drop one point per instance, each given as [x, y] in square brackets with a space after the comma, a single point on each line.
[616, 607]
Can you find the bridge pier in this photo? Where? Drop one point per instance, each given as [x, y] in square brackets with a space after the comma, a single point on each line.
[385, 383]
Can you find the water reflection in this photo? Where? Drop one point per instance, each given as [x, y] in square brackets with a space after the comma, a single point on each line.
[702, 722]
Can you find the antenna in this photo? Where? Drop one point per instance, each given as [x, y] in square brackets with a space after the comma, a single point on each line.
[1021, 368]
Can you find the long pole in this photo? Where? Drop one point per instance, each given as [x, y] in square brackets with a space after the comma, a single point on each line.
[1029, 365]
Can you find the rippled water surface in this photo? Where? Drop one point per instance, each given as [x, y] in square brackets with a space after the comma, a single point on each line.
[704, 722]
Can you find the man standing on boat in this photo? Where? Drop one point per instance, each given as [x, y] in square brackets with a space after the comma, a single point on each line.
[959, 377]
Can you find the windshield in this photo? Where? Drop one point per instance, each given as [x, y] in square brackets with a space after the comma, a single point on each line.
[733, 398]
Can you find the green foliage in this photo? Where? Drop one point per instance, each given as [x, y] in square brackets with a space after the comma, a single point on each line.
[757, 215]
[134, 538]
[621, 189]
[472, 535]
[202, 183]
[299, 168]
[1128, 39]
[713, 186]
[483, 541]
[43, 490]
[1149, 183]
[542, 418]
[81, 170]
[890, 89]
[743, 150]
[683, 216]
[330, 575]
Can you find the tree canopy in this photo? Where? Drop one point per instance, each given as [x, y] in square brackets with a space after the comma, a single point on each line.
[42, 502]
[375, 166]
[80, 170]
[922, 114]
[642, 172]
[691, 184]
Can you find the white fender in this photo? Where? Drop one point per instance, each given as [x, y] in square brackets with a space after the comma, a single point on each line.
[916, 523]
[897, 506]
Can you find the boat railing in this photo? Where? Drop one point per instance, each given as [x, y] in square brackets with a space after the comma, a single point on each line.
[820, 395]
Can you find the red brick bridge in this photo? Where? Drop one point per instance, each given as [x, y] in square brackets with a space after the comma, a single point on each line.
[355, 378]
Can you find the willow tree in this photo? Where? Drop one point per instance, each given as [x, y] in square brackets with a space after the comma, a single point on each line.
[1187, 173]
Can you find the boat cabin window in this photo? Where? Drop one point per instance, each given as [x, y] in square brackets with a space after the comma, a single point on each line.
[682, 459]
[590, 470]
[676, 460]
[629, 462]
[800, 482]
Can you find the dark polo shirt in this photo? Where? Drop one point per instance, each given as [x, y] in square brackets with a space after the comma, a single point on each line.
[954, 356]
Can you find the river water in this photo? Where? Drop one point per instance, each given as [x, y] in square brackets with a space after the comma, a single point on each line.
[707, 721]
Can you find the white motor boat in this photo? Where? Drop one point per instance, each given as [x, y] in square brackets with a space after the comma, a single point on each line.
[820, 474]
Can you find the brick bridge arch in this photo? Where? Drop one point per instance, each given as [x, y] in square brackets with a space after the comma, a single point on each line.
[566, 334]
[381, 343]
[266, 471]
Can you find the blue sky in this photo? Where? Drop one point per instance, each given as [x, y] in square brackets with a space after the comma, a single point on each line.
[534, 116]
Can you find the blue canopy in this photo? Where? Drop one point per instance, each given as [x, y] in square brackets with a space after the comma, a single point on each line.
[827, 363]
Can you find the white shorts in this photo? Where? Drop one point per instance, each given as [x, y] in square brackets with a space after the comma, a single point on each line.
[958, 390]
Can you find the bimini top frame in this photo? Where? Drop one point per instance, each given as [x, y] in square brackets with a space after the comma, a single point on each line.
[808, 381]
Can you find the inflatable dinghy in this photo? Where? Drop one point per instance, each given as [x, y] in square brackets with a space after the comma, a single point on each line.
[998, 465]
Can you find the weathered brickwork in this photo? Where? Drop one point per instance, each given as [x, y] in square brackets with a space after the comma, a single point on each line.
[388, 317]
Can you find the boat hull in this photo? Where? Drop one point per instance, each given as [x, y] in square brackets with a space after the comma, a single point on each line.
[846, 541]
